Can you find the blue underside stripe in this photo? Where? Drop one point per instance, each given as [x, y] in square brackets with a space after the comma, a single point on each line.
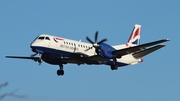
[54, 51]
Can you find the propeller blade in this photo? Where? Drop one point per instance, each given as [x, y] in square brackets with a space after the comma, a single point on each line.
[40, 63]
[95, 44]
[103, 40]
[89, 40]
[96, 37]
[34, 54]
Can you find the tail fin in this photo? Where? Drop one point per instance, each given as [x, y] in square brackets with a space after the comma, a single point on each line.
[135, 35]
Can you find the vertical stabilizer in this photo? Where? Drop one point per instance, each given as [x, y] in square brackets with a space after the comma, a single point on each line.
[134, 39]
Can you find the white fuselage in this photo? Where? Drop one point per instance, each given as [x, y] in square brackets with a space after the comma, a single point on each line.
[72, 46]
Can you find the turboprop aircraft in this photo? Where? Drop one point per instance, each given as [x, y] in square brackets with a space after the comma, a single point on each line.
[59, 51]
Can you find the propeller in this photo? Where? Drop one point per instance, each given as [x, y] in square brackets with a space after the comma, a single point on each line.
[40, 57]
[39, 61]
[34, 54]
[95, 44]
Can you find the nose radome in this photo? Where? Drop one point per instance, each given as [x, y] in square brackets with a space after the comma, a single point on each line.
[33, 44]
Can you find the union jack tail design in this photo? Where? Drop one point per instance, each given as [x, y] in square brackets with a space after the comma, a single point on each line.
[135, 35]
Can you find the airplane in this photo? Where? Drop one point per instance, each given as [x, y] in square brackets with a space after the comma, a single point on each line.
[60, 51]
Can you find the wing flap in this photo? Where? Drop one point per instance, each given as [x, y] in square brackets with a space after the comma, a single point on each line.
[129, 50]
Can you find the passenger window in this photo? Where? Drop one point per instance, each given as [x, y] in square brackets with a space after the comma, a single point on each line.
[47, 38]
[41, 38]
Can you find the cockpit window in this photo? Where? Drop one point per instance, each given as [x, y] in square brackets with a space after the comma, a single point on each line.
[41, 38]
[47, 38]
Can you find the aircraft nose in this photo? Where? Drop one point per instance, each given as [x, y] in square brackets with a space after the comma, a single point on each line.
[32, 44]
[36, 44]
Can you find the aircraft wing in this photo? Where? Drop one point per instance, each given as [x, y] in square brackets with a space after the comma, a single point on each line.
[21, 57]
[97, 58]
[130, 50]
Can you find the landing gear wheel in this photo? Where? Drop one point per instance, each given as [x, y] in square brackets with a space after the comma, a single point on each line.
[114, 67]
[60, 72]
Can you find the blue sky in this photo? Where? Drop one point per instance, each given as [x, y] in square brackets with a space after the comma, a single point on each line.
[157, 78]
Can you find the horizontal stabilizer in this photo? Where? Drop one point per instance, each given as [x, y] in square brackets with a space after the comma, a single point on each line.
[130, 50]
[147, 51]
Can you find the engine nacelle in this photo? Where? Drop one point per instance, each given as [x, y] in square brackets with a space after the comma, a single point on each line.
[106, 50]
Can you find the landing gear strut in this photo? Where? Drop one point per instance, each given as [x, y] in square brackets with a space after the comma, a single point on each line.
[60, 71]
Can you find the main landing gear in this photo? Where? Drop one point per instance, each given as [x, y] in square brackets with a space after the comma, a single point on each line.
[60, 71]
[114, 66]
